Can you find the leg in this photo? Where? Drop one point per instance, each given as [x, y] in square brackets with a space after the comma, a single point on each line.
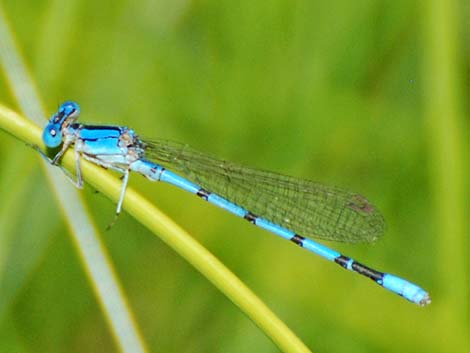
[78, 181]
[125, 179]
[78, 171]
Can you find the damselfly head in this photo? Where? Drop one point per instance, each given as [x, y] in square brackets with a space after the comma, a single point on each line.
[67, 114]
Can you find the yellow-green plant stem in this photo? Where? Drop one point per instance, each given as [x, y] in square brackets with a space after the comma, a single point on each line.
[93, 255]
[147, 214]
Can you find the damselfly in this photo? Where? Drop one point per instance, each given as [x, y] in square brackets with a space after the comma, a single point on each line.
[283, 205]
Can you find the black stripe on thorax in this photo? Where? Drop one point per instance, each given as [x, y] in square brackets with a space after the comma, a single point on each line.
[99, 127]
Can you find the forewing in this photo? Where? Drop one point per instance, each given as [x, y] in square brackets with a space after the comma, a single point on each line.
[305, 207]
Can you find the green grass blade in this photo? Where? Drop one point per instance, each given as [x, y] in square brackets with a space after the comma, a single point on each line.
[444, 96]
[93, 255]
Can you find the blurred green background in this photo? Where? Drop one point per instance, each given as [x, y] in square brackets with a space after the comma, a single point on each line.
[339, 92]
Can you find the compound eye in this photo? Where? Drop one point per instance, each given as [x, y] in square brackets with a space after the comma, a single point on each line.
[52, 135]
[69, 109]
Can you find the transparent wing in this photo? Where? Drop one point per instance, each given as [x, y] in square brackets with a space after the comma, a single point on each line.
[305, 207]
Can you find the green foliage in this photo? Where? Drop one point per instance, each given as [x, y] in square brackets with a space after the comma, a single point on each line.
[357, 94]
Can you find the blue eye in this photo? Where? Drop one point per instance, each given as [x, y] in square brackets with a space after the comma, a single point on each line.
[52, 136]
[69, 109]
